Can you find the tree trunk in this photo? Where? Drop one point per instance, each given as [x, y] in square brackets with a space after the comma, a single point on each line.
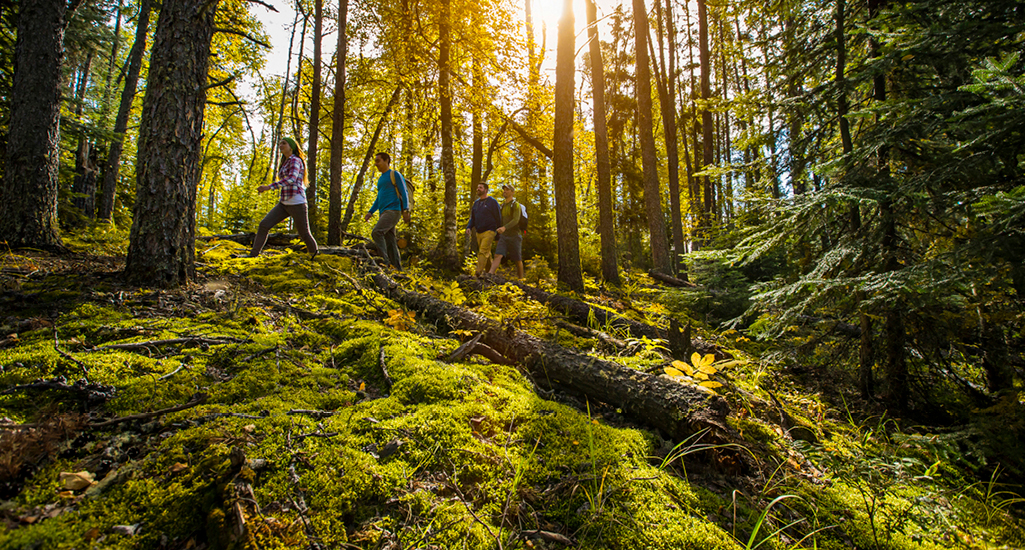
[606, 216]
[678, 409]
[447, 252]
[83, 185]
[562, 158]
[161, 250]
[667, 101]
[477, 159]
[111, 171]
[28, 199]
[115, 49]
[314, 133]
[708, 157]
[334, 209]
[358, 186]
[652, 196]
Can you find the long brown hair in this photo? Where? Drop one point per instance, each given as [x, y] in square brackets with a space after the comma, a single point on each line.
[296, 152]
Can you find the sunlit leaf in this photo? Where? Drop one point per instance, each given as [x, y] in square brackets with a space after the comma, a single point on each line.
[710, 384]
[708, 369]
[684, 367]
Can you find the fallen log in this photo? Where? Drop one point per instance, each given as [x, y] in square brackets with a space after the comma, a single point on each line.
[246, 239]
[582, 313]
[658, 401]
[670, 280]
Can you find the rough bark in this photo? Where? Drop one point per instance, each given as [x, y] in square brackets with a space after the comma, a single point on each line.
[658, 401]
[161, 250]
[113, 167]
[562, 160]
[606, 216]
[652, 196]
[334, 224]
[447, 252]
[28, 197]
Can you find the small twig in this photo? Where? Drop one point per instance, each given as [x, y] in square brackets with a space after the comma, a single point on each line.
[66, 355]
[90, 393]
[174, 372]
[259, 353]
[315, 414]
[197, 399]
[549, 536]
[463, 350]
[214, 416]
[317, 434]
[384, 368]
[171, 341]
[462, 498]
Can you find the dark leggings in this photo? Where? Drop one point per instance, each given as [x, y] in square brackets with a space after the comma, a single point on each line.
[276, 216]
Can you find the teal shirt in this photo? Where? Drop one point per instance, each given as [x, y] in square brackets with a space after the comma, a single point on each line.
[387, 199]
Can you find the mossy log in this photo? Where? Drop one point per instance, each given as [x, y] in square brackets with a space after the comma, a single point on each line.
[657, 401]
[581, 313]
[246, 239]
[670, 280]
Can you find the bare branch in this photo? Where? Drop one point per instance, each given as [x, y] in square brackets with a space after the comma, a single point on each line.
[247, 36]
[264, 4]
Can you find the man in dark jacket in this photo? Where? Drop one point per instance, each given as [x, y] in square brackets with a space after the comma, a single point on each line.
[486, 218]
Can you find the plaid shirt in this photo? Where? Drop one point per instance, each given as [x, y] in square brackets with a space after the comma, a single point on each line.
[291, 174]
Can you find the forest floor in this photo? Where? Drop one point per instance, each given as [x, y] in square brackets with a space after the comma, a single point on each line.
[286, 403]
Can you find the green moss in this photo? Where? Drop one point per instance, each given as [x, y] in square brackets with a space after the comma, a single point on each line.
[469, 436]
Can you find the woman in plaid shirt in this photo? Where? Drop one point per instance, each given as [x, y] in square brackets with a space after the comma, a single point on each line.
[292, 184]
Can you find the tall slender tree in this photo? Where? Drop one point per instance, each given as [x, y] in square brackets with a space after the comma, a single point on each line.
[606, 216]
[708, 152]
[652, 196]
[314, 127]
[447, 251]
[334, 224]
[112, 170]
[667, 102]
[562, 159]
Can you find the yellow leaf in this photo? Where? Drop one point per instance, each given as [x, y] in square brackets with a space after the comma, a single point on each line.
[684, 367]
[362, 386]
[908, 57]
[673, 372]
[695, 358]
[708, 369]
[708, 359]
[700, 376]
[710, 384]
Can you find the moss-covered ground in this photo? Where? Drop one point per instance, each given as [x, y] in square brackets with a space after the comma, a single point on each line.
[330, 420]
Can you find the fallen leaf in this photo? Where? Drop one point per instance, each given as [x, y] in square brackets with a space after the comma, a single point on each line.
[76, 481]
